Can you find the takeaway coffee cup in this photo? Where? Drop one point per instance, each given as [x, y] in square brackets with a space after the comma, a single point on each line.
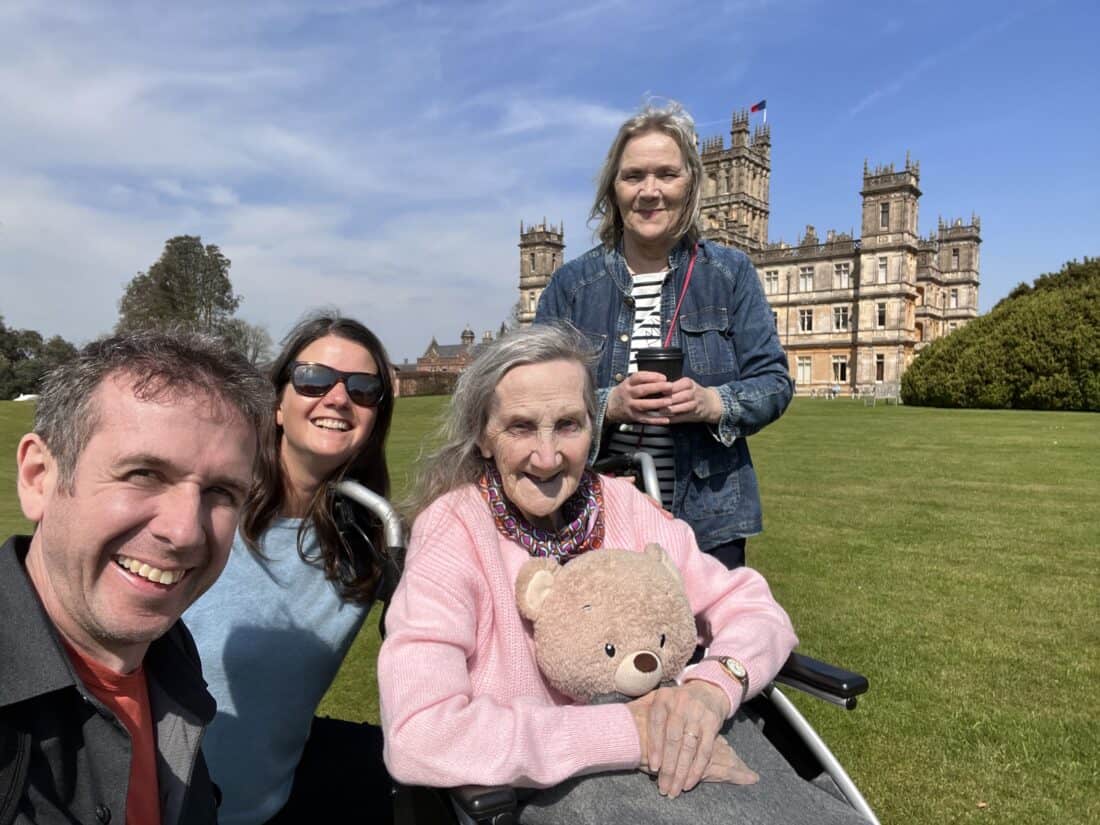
[669, 361]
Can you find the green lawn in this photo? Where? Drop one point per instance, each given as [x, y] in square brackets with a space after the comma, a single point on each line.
[951, 556]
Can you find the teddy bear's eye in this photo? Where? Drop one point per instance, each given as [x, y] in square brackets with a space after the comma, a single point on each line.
[662, 640]
[609, 649]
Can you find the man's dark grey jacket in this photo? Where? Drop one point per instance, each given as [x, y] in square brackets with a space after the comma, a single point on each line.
[64, 757]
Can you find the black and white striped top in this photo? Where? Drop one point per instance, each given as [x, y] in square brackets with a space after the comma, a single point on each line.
[652, 438]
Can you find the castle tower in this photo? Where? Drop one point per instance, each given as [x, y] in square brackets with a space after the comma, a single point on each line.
[890, 239]
[541, 250]
[887, 292]
[958, 264]
[467, 338]
[890, 204]
[736, 185]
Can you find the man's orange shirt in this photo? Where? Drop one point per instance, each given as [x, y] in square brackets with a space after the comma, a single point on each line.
[127, 695]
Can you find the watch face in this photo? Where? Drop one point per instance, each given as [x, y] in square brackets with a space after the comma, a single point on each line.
[735, 667]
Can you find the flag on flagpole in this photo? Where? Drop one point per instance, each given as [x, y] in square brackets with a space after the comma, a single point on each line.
[762, 106]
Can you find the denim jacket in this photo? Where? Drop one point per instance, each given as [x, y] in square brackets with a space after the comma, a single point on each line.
[729, 340]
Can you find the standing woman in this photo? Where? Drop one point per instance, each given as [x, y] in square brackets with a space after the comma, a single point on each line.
[276, 626]
[652, 282]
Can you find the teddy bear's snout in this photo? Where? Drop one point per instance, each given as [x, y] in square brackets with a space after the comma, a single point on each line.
[638, 673]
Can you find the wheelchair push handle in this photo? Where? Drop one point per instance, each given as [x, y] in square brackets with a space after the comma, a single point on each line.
[392, 528]
[638, 463]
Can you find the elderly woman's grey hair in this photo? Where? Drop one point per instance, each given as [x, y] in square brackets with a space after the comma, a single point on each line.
[670, 119]
[458, 460]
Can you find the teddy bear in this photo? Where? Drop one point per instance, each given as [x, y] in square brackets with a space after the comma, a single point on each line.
[612, 625]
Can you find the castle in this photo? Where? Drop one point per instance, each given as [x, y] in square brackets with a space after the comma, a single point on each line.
[850, 312]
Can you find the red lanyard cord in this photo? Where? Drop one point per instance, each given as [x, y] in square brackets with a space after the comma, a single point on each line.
[683, 291]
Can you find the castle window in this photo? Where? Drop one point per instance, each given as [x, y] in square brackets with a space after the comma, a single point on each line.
[884, 216]
[841, 273]
[840, 368]
[840, 318]
[953, 326]
[881, 278]
[880, 367]
[775, 319]
[532, 300]
[532, 261]
[771, 281]
[955, 257]
[880, 315]
[806, 279]
[805, 365]
[953, 300]
[806, 320]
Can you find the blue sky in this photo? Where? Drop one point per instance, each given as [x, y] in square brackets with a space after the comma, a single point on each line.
[379, 156]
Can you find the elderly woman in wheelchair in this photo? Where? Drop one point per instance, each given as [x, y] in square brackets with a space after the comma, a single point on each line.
[463, 701]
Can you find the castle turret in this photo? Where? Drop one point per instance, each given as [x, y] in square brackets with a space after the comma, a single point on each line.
[739, 129]
[541, 251]
[736, 183]
[890, 203]
[958, 264]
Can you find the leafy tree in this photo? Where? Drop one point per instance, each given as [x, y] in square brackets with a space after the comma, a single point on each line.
[1038, 349]
[25, 358]
[188, 287]
[251, 340]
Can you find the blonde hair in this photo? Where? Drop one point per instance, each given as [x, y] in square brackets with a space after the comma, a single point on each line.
[670, 119]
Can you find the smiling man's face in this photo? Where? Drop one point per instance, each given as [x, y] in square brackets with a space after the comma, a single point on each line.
[147, 527]
[538, 435]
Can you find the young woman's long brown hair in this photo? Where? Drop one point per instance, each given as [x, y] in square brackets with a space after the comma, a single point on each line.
[355, 575]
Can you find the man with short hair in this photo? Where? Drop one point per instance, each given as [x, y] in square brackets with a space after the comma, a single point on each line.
[134, 476]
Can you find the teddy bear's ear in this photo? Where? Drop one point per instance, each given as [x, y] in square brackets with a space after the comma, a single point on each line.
[657, 553]
[533, 585]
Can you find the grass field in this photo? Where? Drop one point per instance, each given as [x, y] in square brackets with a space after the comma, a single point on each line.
[951, 556]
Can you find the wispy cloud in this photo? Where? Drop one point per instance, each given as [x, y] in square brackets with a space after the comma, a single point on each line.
[341, 166]
[926, 63]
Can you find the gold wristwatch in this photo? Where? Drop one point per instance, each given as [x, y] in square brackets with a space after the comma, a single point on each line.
[734, 669]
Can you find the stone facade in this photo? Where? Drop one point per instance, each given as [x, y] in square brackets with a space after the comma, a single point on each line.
[851, 312]
[854, 312]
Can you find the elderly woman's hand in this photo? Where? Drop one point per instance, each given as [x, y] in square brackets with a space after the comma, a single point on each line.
[687, 402]
[677, 727]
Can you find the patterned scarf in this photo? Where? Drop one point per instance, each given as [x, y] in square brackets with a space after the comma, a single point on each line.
[582, 511]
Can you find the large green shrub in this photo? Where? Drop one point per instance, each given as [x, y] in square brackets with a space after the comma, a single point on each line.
[1038, 349]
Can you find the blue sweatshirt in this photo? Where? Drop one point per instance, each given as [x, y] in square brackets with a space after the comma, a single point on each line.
[272, 633]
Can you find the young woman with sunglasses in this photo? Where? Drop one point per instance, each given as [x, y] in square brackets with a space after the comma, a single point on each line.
[275, 627]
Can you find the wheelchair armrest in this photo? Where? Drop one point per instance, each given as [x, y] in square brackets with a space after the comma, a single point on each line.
[825, 681]
[490, 804]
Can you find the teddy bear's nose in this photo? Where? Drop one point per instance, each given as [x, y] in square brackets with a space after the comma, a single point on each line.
[645, 662]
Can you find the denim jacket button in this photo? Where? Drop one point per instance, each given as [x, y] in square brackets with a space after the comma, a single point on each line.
[618, 377]
[624, 337]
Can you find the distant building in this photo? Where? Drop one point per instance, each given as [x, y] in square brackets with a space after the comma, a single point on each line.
[849, 311]
[452, 357]
[436, 371]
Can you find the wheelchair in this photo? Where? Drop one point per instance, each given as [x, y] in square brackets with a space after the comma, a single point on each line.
[784, 726]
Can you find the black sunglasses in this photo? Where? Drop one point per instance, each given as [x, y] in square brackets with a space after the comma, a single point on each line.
[316, 380]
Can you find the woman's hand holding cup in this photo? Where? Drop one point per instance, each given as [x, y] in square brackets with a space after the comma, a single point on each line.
[650, 398]
[642, 398]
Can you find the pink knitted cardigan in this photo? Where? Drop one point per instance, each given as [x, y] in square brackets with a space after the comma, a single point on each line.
[462, 698]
